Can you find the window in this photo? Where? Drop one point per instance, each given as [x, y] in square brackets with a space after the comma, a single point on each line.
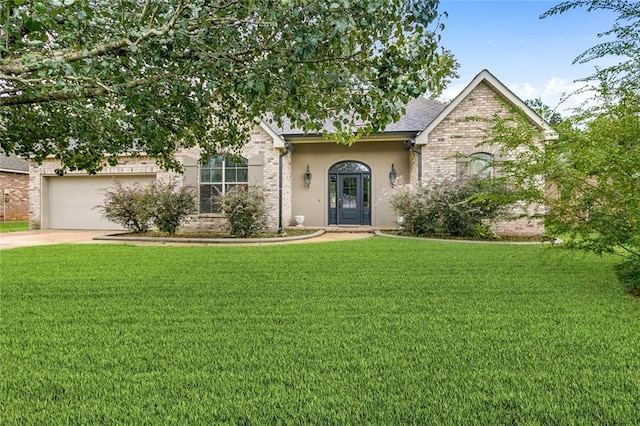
[219, 176]
[479, 164]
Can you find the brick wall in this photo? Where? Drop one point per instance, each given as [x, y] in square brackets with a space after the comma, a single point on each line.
[16, 187]
[459, 134]
[261, 154]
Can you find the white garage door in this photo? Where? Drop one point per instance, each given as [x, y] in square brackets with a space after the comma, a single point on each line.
[72, 200]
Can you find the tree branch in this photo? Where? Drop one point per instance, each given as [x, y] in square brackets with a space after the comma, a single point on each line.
[92, 92]
[99, 50]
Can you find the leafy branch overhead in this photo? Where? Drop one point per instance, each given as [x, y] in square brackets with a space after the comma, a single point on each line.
[81, 79]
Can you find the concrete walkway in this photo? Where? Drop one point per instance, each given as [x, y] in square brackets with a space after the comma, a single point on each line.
[9, 240]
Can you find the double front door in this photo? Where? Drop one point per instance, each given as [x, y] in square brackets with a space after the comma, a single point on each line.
[350, 198]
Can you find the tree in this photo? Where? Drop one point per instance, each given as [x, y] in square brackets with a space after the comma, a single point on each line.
[549, 115]
[625, 42]
[88, 80]
[589, 178]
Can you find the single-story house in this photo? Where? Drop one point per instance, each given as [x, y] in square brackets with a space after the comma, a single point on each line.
[329, 184]
[14, 188]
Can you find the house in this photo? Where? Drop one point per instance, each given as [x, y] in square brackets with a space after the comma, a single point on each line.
[14, 188]
[303, 174]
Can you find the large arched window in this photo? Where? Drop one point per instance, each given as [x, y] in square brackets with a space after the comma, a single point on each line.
[219, 176]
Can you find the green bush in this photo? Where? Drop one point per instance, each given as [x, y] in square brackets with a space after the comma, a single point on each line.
[245, 211]
[125, 206]
[628, 273]
[169, 205]
[136, 208]
[457, 207]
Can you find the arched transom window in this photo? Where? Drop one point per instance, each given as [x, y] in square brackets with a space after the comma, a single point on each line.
[478, 165]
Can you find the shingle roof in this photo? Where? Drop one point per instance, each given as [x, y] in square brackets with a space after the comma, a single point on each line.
[13, 163]
[420, 112]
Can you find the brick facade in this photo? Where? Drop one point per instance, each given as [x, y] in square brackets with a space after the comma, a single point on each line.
[459, 133]
[456, 133]
[14, 190]
[263, 174]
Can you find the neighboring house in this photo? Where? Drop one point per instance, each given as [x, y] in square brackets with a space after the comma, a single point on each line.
[14, 188]
[327, 183]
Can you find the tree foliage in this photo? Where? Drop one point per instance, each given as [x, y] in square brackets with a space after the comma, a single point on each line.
[87, 80]
[622, 41]
[589, 177]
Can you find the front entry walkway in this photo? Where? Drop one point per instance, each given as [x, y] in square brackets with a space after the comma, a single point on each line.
[10, 240]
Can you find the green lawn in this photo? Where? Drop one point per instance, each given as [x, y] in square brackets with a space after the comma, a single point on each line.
[14, 226]
[376, 331]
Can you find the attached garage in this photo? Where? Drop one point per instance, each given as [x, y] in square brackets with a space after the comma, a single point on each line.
[69, 202]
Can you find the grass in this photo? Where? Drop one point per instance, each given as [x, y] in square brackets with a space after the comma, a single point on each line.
[14, 226]
[379, 330]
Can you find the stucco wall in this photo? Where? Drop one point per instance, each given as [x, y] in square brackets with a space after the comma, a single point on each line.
[14, 193]
[312, 202]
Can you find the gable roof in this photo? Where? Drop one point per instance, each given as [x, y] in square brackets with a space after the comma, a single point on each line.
[486, 77]
[419, 113]
[422, 115]
[12, 163]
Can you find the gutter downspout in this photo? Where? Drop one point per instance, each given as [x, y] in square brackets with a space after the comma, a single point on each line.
[410, 145]
[287, 149]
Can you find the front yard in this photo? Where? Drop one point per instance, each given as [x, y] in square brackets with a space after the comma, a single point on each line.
[379, 330]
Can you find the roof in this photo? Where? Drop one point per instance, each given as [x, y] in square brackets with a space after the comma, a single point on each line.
[423, 115]
[486, 77]
[419, 113]
[13, 163]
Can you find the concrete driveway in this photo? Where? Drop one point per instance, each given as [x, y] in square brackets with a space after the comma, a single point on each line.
[9, 240]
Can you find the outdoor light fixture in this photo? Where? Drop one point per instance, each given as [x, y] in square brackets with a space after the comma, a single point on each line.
[307, 177]
[393, 176]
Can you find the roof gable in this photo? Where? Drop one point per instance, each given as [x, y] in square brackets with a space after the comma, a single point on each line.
[486, 77]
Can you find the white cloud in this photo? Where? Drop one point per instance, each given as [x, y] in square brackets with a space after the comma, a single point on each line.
[525, 91]
[560, 94]
[451, 92]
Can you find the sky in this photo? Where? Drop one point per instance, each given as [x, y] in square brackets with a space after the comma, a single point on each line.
[531, 56]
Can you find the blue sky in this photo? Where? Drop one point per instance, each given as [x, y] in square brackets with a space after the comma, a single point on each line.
[532, 57]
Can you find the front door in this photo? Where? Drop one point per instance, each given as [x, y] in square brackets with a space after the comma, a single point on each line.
[349, 200]
[349, 194]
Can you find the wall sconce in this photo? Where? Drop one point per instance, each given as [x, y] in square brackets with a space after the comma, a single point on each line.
[393, 176]
[307, 177]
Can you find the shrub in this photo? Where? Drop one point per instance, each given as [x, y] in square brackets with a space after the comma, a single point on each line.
[169, 205]
[136, 208]
[124, 205]
[457, 207]
[628, 273]
[245, 210]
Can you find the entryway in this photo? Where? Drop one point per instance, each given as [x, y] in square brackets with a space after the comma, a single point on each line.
[349, 193]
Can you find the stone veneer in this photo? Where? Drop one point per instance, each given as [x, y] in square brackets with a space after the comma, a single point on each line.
[14, 190]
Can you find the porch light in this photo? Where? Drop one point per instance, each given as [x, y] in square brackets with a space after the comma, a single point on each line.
[307, 177]
[393, 176]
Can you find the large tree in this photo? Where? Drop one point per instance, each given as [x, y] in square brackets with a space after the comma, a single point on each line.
[591, 172]
[88, 80]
